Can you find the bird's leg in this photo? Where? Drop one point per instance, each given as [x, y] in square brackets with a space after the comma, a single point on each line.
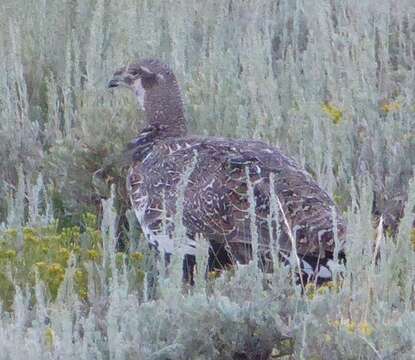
[189, 264]
[220, 259]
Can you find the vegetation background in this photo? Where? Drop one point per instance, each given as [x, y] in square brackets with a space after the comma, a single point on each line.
[331, 82]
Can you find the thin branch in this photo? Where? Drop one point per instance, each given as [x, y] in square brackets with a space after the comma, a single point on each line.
[372, 347]
[292, 239]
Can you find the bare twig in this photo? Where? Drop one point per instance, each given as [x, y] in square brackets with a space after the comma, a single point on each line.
[292, 239]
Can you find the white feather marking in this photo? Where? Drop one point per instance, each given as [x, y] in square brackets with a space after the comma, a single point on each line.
[136, 192]
[295, 229]
[145, 69]
[210, 185]
[163, 242]
[146, 157]
[320, 233]
[139, 206]
[256, 182]
[324, 273]
[186, 249]
[307, 268]
[139, 93]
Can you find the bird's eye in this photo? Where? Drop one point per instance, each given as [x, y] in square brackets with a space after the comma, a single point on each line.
[134, 72]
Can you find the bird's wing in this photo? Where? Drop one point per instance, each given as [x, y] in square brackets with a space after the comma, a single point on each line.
[228, 174]
[223, 177]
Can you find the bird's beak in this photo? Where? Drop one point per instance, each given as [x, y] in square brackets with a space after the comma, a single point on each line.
[115, 82]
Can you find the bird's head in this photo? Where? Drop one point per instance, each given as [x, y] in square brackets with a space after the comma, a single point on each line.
[157, 93]
[143, 78]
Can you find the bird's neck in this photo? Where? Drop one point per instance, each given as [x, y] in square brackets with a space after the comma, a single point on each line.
[164, 108]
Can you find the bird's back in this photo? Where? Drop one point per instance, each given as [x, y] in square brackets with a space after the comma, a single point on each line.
[212, 182]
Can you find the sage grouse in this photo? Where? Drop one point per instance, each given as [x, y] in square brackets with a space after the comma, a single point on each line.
[206, 184]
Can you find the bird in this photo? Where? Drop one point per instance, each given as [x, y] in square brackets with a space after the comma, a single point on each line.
[244, 197]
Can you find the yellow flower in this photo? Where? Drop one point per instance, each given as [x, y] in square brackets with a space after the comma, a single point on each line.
[79, 275]
[323, 289]
[30, 237]
[11, 232]
[56, 268]
[83, 294]
[336, 323]
[64, 254]
[93, 255]
[349, 325]
[119, 258]
[310, 290]
[28, 232]
[41, 265]
[140, 276]
[212, 275]
[365, 328]
[89, 220]
[50, 239]
[391, 106]
[10, 254]
[413, 237]
[49, 338]
[338, 199]
[327, 338]
[137, 256]
[96, 236]
[328, 286]
[70, 234]
[333, 112]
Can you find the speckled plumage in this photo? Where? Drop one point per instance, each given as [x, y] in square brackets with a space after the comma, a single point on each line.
[221, 173]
